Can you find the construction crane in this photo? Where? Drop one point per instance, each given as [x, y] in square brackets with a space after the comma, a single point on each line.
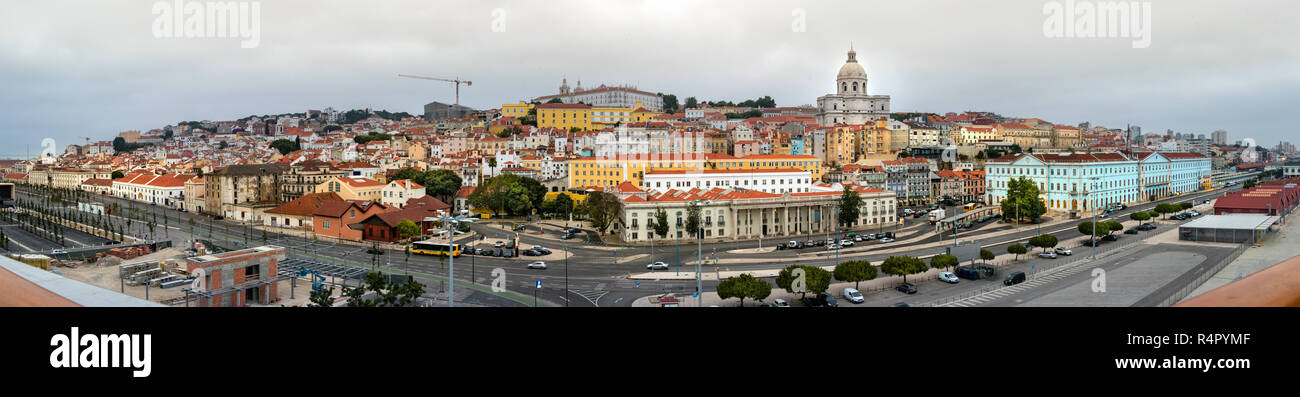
[456, 81]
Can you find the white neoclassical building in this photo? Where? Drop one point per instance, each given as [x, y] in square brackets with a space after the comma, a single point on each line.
[850, 103]
[743, 214]
[778, 181]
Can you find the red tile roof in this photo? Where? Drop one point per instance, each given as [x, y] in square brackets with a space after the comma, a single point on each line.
[305, 205]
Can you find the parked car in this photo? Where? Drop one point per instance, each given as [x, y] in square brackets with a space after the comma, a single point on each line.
[968, 273]
[846, 243]
[857, 239]
[780, 246]
[899, 304]
[657, 266]
[1110, 237]
[1047, 254]
[498, 252]
[886, 240]
[1131, 231]
[948, 277]
[575, 230]
[1064, 251]
[821, 300]
[541, 249]
[499, 244]
[1092, 243]
[780, 303]
[56, 252]
[508, 254]
[852, 295]
[827, 300]
[906, 288]
[1014, 278]
[832, 247]
[375, 250]
[537, 265]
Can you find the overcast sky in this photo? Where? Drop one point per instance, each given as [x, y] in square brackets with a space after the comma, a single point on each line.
[72, 69]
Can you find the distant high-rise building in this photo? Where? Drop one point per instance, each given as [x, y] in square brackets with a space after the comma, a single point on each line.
[1220, 137]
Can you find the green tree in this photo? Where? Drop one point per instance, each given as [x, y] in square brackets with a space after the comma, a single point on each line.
[1166, 208]
[1017, 249]
[602, 209]
[321, 298]
[743, 286]
[693, 219]
[118, 175]
[563, 205]
[1022, 200]
[855, 271]
[691, 102]
[670, 103]
[285, 146]
[902, 266]
[407, 229]
[1087, 228]
[1140, 216]
[814, 279]
[986, 255]
[850, 207]
[943, 261]
[1185, 206]
[661, 223]
[1043, 241]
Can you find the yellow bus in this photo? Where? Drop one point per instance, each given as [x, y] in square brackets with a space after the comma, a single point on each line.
[430, 247]
[970, 207]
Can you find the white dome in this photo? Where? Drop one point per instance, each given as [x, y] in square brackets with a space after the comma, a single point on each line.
[852, 69]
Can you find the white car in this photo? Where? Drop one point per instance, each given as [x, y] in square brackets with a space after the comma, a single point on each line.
[948, 277]
[657, 266]
[537, 265]
[1064, 251]
[780, 303]
[1048, 254]
[846, 243]
[886, 240]
[499, 244]
[853, 295]
[55, 252]
[832, 247]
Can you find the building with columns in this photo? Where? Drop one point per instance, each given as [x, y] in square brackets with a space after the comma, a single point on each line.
[850, 103]
[730, 214]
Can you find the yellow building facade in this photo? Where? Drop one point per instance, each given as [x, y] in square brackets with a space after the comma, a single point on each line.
[607, 172]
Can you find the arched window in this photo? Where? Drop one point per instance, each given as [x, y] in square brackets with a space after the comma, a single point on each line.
[844, 87]
[855, 87]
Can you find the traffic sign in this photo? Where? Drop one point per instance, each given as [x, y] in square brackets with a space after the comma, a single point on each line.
[539, 284]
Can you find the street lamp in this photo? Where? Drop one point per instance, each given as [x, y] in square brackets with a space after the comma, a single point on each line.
[451, 222]
[1094, 218]
[699, 257]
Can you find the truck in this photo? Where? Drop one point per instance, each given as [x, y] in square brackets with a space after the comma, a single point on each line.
[936, 215]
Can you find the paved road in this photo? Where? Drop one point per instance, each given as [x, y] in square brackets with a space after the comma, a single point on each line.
[593, 277]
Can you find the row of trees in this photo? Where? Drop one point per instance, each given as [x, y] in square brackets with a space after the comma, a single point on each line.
[805, 279]
[385, 293]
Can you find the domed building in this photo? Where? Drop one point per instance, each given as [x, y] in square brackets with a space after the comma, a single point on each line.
[850, 103]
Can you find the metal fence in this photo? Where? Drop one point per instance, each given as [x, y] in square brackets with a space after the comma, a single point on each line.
[1198, 279]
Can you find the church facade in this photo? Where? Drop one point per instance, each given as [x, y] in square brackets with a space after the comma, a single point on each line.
[850, 104]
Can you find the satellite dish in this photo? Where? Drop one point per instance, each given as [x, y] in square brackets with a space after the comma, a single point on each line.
[197, 285]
